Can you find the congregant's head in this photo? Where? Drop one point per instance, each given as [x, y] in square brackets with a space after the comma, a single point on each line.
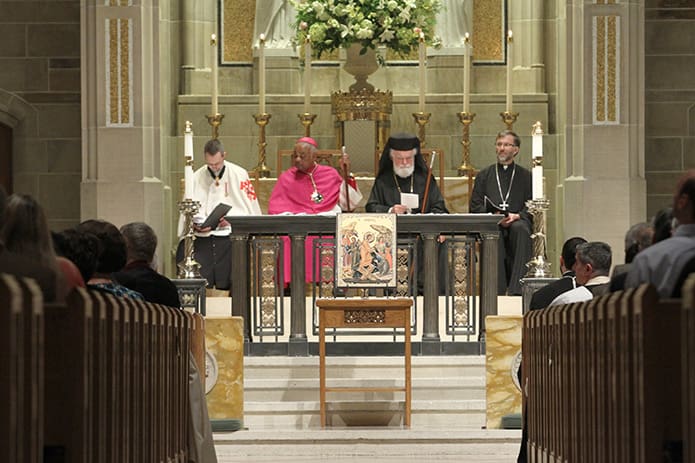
[507, 145]
[304, 156]
[592, 259]
[214, 155]
[684, 199]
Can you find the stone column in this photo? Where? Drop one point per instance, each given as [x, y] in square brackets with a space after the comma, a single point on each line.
[601, 120]
[120, 114]
[526, 20]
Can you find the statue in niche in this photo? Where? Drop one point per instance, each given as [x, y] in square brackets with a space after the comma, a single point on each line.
[274, 19]
[453, 21]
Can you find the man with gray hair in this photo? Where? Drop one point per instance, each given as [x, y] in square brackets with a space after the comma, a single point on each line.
[138, 273]
[591, 267]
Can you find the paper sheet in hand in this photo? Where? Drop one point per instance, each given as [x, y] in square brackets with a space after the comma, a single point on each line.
[410, 200]
[214, 218]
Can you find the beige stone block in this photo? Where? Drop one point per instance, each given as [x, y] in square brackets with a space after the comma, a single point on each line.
[668, 37]
[658, 202]
[39, 11]
[26, 184]
[670, 72]
[689, 153]
[60, 121]
[31, 156]
[24, 75]
[53, 40]
[64, 155]
[502, 358]
[12, 40]
[663, 183]
[663, 154]
[64, 80]
[666, 119]
[59, 195]
[224, 341]
[62, 224]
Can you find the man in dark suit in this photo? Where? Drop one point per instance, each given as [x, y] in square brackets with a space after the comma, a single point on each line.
[543, 296]
[138, 273]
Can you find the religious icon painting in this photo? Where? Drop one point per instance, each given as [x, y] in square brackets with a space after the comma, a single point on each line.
[366, 250]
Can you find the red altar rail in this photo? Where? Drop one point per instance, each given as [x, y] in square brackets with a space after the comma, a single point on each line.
[603, 379]
[99, 379]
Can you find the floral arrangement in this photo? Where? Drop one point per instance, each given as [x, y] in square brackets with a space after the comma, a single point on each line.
[394, 24]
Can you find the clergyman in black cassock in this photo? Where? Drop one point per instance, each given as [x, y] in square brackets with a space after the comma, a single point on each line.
[390, 183]
[504, 188]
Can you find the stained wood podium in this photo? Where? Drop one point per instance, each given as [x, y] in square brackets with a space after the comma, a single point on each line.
[364, 313]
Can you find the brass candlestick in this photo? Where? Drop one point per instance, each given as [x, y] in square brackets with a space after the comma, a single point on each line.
[466, 169]
[537, 266]
[215, 120]
[261, 169]
[421, 119]
[307, 119]
[188, 268]
[509, 119]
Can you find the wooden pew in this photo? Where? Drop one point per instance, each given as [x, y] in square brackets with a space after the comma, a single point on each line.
[604, 379]
[688, 366]
[97, 379]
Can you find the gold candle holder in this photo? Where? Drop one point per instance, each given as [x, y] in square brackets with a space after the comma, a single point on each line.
[466, 169]
[538, 267]
[421, 119]
[307, 119]
[261, 169]
[188, 268]
[215, 120]
[509, 118]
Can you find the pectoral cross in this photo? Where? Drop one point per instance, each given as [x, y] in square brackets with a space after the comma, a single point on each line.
[504, 205]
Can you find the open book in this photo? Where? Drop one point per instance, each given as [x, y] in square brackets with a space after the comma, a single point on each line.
[213, 219]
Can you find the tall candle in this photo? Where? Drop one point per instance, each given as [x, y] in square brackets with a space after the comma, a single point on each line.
[307, 76]
[261, 73]
[466, 73]
[537, 155]
[421, 72]
[188, 156]
[188, 140]
[509, 72]
[213, 43]
[537, 182]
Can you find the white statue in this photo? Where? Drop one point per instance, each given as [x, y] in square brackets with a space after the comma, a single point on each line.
[453, 21]
[274, 18]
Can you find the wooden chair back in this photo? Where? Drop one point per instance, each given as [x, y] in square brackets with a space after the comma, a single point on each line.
[325, 157]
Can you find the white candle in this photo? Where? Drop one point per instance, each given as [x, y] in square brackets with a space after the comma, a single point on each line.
[509, 72]
[466, 73]
[421, 72]
[261, 73]
[537, 182]
[188, 140]
[188, 180]
[213, 43]
[537, 145]
[307, 76]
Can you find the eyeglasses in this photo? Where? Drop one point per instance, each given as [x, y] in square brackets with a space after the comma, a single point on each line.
[504, 145]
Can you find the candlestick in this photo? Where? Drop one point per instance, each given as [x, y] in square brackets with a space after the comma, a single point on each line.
[261, 73]
[307, 76]
[421, 119]
[466, 73]
[188, 268]
[213, 43]
[538, 267]
[421, 72]
[509, 72]
[307, 119]
[261, 168]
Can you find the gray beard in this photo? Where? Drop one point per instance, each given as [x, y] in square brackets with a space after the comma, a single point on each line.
[404, 172]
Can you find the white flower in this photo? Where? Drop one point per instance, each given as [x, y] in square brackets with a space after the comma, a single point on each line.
[387, 36]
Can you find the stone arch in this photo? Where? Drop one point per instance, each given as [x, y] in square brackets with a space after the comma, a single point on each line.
[17, 125]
